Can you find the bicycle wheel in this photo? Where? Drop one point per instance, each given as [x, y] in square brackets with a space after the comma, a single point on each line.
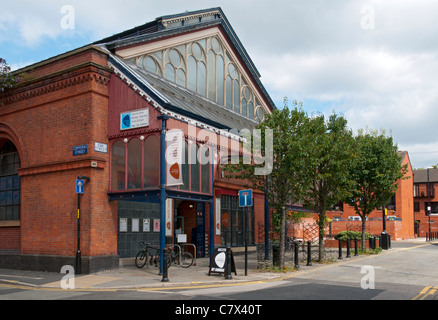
[186, 259]
[141, 259]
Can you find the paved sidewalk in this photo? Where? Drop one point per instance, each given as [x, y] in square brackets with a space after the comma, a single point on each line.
[131, 277]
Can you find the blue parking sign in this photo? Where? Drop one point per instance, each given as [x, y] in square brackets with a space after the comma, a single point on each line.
[80, 186]
[245, 198]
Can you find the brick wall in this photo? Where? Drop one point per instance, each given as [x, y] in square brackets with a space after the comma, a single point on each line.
[65, 104]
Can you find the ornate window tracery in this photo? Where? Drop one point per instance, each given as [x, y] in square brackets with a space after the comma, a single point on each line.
[205, 67]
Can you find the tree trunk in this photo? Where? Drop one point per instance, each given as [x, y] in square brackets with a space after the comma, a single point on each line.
[364, 220]
[321, 227]
[282, 237]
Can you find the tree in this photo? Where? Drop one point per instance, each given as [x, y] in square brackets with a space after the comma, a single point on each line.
[7, 80]
[329, 155]
[375, 173]
[285, 183]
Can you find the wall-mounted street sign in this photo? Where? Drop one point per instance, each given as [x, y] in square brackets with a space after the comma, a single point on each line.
[100, 147]
[80, 186]
[134, 119]
[82, 149]
[245, 198]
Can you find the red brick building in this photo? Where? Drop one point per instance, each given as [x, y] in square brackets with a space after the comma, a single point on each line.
[99, 112]
[400, 211]
[424, 197]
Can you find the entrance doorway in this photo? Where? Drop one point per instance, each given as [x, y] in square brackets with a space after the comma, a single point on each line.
[190, 220]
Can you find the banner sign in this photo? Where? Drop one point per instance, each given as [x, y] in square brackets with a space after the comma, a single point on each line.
[174, 156]
[169, 217]
[218, 216]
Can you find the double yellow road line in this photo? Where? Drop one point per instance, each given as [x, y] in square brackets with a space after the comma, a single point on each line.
[427, 291]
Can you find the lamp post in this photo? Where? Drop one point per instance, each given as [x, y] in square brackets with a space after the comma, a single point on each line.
[80, 189]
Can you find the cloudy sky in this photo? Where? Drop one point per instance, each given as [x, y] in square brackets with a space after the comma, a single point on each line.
[376, 62]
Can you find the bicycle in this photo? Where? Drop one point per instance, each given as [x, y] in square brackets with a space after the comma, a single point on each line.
[147, 256]
[173, 257]
[150, 255]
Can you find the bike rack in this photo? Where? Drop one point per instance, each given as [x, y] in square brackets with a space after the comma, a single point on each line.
[179, 251]
[194, 251]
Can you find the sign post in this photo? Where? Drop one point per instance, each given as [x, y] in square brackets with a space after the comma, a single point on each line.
[80, 188]
[245, 201]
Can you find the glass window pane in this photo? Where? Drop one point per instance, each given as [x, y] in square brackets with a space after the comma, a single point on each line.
[220, 79]
[185, 168]
[151, 162]
[250, 110]
[192, 74]
[197, 51]
[205, 172]
[229, 93]
[150, 65]
[211, 75]
[134, 164]
[244, 107]
[169, 72]
[194, 167]
[236, 95]
[202, 79]
[181, 77]
[118, 166]
[175, 58]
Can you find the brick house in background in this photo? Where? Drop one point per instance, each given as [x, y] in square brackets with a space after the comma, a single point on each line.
[400, 211]
[98, 111]
[424, 193]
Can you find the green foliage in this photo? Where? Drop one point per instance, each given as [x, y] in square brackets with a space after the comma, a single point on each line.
[375, 171]
[7, 80]
[344, 235]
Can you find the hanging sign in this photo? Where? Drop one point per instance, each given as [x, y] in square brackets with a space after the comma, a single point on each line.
[218, 216]
[174, 156]
[169, 217]
[218, 261]
[134, 119]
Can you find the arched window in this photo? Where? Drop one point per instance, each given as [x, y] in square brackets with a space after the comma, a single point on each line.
[151, 175]
[207, 67]
[9, 183]
[118, 166]
[134, 164]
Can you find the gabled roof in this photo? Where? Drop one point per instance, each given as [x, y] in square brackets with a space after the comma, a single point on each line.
[173, 25]
[420, 175]
[180, 100]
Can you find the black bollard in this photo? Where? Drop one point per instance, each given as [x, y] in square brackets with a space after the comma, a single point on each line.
[228, 264]
[165, 278]
[348, 249]
[355, 247]
[340, 249]
[297, 266]
[309, 253]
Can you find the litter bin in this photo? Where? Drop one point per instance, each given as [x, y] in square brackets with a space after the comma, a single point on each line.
[386, 240]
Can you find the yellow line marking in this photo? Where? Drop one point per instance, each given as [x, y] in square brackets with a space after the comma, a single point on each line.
[422, 292]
